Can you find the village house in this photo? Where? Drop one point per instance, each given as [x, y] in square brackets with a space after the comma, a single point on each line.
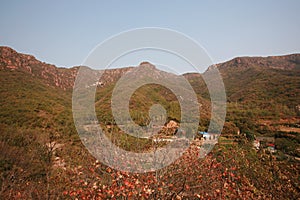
[209, 136]
[267, 143]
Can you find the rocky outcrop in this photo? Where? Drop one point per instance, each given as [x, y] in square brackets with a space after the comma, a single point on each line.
[64, 77]
[287, 62]
[50, 74]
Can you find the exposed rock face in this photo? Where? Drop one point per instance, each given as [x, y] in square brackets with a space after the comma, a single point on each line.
[12, 60]
[51, 75]
[172, 124]
[112, 75]
[64, 77]
[146, 65]
[287, 62]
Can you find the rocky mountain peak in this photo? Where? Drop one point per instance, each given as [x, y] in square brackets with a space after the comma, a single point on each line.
[146, 64]
[286, 62]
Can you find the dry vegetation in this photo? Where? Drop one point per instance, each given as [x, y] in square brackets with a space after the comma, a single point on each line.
[42, 156]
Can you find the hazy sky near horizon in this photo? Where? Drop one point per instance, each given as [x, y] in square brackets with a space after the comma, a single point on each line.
[65, 32]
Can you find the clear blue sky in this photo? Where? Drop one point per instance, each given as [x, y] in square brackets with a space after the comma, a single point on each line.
[64, 32]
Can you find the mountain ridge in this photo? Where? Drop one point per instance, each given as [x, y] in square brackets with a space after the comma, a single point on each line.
[274, 62]
[246, 79]
[64, 77]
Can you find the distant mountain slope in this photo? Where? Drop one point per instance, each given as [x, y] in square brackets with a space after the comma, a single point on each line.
[50, 74]
[263, 93]
[146, 96]
[246, 78]
[271, 78]
[285, 62]
[267, 86]
[258, 80]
